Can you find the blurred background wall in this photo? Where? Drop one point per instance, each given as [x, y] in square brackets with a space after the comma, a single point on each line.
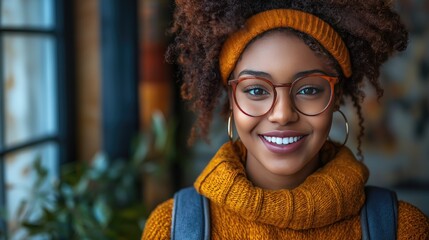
[396, 142]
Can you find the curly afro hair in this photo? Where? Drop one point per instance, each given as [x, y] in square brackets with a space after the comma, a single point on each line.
[370, 29]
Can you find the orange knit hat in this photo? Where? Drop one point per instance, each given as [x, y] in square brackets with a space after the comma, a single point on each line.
[277, 18]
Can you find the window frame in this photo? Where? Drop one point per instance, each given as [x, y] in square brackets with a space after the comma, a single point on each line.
[62, 32]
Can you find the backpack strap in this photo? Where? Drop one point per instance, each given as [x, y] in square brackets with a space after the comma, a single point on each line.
[191, 216]
[379, 214]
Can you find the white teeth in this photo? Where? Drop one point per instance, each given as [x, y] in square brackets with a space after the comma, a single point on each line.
[285, 141]
[282, 141]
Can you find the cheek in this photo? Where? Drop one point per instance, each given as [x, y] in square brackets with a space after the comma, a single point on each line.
[243, 123]
[322, 124]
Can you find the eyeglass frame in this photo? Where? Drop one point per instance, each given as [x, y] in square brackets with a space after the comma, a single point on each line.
[333, 80]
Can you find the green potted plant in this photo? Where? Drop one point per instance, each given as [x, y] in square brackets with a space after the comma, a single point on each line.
[99, 199]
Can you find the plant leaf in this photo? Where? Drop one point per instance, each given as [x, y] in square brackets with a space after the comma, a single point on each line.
[160, 130]
[102, 212]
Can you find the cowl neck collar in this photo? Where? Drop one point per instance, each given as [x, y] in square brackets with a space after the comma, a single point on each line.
[332, 193]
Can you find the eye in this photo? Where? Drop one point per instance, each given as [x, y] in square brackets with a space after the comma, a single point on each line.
[256, 91]
[309, 91]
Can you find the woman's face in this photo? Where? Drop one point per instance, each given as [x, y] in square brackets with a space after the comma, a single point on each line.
[280, 57]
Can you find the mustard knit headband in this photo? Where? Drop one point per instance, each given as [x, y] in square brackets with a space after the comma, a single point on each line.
[277, 18]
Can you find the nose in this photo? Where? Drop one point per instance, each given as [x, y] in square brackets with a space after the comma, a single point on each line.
[283, 111]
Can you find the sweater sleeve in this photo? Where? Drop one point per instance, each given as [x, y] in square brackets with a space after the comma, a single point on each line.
[412, 223]
[158, 225]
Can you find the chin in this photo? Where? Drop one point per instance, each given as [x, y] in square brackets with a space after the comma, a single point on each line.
[286, 169]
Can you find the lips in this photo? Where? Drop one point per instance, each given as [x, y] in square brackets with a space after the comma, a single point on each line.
[283, 142]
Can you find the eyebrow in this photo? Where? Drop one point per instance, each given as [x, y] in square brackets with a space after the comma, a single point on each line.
[308, 72]
[254, 73]
[267, 75]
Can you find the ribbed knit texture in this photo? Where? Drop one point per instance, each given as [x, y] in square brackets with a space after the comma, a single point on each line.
[325, 206]
[278, 18]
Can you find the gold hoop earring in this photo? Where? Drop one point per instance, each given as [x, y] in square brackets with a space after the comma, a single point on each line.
[347, 126]
[230, 132]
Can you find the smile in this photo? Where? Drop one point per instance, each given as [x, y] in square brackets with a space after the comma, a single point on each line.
[283, 141]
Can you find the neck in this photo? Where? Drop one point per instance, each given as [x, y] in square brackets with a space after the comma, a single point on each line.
[261, 177]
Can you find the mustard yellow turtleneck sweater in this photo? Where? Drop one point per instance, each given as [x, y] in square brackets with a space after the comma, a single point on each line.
[325, 206]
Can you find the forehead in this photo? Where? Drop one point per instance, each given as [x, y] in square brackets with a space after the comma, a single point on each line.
[280, 54]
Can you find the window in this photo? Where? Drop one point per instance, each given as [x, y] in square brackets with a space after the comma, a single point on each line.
[35, 92]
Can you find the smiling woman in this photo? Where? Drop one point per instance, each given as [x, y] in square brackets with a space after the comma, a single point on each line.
[286, 67]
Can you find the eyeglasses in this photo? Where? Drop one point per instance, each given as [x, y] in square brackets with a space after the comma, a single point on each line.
[310, 95]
